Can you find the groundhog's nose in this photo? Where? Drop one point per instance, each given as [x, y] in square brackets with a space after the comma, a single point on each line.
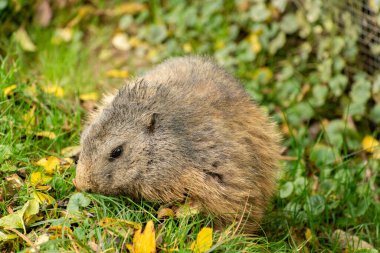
[81, 180]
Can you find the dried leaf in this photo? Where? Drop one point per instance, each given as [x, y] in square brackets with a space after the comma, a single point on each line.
[22, 37]
[128, 8]
[9, 90]
[62, 35]
[70, 151]
[6, 237]
[37, 178]
[187, 209]
[106, 222]
[54, 90]
[43, 198]
[82, 12]
[29, 118]
[120, 42]
[46, 134]
[203, 242]
[145, 242]
[15, 181]
[165, 212]
[348, 241]
[92, 96]
[117, 73]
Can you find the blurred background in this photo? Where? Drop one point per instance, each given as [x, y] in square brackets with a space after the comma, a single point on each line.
[313, 65]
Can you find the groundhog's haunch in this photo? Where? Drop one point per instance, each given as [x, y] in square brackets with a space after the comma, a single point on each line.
[186, 129]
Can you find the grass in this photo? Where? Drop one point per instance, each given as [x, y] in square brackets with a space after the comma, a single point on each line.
[322, 190]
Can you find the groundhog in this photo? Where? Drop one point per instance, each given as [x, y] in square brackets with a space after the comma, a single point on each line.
[184, 130]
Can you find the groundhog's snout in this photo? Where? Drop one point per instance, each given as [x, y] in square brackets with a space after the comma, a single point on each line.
[81, 181]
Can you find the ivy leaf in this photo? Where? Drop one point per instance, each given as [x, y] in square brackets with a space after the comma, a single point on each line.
[277, 43]
[76, 201]
[286, 190]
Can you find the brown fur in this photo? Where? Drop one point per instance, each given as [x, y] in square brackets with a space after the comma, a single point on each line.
[187, 129]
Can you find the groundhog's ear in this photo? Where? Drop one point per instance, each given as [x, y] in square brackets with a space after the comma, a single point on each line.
[152, 123]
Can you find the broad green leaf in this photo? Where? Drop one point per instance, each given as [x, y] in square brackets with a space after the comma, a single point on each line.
[76, 201]
[286, 190]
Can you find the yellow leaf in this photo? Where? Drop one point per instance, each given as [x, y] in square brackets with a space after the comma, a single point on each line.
[62, 35]
[50, 164]
[203, 242]
[82, 12]
[43, 198]
[16, 220]
[165, 212]
[187, 47]
[22, 37]
[120, 227]
[37, 178]
[255, 43]
[9, 90]
[370, 144]
[145, 242]
[117, 73]
[89, 96]
[308, 234]
[128, 8]
[120, 42]
[264, 75]
[46, 134]
[29, 118]
[54, 90]
[70, 151]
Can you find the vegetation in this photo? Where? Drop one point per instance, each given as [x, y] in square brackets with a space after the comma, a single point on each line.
[294, 58]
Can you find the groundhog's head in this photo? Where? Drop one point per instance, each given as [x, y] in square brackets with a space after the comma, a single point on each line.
[125, 150]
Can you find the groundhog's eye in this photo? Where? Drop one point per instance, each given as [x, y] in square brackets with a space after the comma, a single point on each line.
[116, 152]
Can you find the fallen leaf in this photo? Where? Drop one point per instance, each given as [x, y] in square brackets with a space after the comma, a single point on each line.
[369, 144]
[26, 214]
[254, 41]
[43, 198]
[9, 90]
[50, 164]
[93, 96]
[117, 73]
[6, 237]
[62, 35]
[165, 212]
[263, 75]
[145, 242]
[120, 42]
[29, 118]
[38, 178]
[203, 242]
[308, 234]
[348, 241]
[187, 209]
[70, 151]
[105, 222]
[54, 90]
[22, 37]
[128, 8]
[46, 134]
[15, 181]
[119, 227]
[82, 12]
